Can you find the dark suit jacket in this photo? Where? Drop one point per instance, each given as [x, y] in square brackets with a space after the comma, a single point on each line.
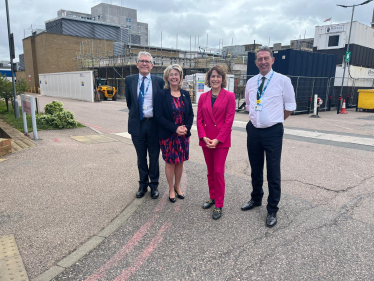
[164, 113]
[131, 91]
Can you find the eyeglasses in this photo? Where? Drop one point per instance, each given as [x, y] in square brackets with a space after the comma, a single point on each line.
[263, 59]
[144, 61]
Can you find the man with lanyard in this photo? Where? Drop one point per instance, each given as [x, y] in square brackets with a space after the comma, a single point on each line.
[141, 90]
[270, 99]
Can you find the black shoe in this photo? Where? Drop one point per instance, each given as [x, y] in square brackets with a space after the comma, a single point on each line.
[271, 219]
[141, 192]
[217, 213]
[154, 193]
[172, 200]
[250, 205]
[180, 196]
[209, 204]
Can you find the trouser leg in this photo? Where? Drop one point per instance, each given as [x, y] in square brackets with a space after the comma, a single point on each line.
[273, 148]
[220, 155]
[154, 153]
[256, 159]
[209, 160]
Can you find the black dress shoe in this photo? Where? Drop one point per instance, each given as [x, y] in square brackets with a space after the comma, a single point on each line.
[141, 192]
[250, 205]
[172, 200]
[271, 219]
[180, 196]
[154, 193]
[209, 204]
[217, 213]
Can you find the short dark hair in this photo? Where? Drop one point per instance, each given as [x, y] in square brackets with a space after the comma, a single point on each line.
[221, 70]
[262, 49]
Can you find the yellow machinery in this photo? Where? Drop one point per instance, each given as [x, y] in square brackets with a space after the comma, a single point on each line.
[366, 99]
[105, 91]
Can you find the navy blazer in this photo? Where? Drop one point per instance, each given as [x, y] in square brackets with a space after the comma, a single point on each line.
[164, 113]
[131, 91]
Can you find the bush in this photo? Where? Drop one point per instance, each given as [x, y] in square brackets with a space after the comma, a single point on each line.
[56, 117]
[53, 108]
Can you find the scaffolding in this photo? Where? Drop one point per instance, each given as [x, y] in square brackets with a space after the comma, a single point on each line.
[116, 65]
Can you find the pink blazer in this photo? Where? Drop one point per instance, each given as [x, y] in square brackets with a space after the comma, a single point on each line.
[216, 122]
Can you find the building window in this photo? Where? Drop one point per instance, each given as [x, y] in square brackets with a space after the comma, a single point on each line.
[333, 41]
[128, 26]
[99, 17]
[128, 20]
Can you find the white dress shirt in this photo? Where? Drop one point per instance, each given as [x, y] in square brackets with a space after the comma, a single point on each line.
[279, 96]
[148, 100]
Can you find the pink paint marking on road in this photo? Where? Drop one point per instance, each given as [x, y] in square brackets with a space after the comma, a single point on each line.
[130, 245]
[142, 258]
[99, 128]
[125, 250]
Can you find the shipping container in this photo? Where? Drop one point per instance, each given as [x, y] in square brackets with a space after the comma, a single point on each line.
[298, 63]
[72, 85]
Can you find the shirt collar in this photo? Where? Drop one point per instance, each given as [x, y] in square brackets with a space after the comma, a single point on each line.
[267, 76]
[141, 76]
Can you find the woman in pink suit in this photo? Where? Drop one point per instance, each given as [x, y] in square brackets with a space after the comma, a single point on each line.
[215, 115]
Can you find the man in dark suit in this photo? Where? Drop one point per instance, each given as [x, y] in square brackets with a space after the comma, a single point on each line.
[141, 90]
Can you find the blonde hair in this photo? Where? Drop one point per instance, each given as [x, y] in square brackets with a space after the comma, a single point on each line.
[221, 70]
[166, 75]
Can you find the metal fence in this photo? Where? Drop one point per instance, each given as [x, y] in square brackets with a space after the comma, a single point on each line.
[328, 89]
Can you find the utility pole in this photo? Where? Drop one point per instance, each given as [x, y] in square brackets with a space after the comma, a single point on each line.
[12, 56]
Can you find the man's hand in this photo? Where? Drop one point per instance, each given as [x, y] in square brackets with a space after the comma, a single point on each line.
[287, 113]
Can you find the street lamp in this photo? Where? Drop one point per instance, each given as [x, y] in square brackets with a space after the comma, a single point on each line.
[349, 38]
[12, 56]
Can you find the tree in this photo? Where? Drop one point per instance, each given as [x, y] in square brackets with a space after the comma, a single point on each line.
[6, 90]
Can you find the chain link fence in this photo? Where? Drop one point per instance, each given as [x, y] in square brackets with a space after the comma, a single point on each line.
[328, 89]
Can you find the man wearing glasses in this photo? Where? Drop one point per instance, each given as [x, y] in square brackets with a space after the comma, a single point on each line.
[270, 99]
[141, 90]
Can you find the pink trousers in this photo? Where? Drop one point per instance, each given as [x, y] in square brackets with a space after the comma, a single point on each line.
[215, 161]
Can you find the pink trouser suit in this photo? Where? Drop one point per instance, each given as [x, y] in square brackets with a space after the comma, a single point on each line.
[216, 123]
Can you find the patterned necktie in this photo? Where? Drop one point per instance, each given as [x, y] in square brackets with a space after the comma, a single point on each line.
[141, 99]
[261, 87]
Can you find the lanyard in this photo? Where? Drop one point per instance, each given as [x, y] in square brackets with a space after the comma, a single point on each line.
[259, 95]
[146, 91]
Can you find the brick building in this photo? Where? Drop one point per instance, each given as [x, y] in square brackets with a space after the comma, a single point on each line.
[51, 53]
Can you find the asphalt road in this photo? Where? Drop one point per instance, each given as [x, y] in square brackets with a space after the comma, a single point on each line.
[325, 223]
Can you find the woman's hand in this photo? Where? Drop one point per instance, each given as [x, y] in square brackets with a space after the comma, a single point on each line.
[206, 140]
[181, 130]
[212, 143]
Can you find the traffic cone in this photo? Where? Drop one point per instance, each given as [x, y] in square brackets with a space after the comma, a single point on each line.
[343, 111]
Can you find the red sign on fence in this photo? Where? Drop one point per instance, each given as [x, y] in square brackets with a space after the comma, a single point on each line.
[27, 105]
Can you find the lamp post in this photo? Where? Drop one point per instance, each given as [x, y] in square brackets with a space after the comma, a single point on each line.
[349, 39]
[12, 56]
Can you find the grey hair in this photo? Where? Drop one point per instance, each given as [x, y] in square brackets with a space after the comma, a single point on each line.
[142, 53]
[176, 67]
[262, 49]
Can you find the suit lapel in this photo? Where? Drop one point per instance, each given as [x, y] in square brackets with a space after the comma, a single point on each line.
[219, 99]
[169, 103]
[208, 104]
[155, 89]
[134, 87]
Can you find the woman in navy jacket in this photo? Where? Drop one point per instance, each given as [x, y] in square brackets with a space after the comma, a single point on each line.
[174, 114]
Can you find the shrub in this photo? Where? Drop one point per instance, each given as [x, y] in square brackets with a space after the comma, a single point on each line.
[53, 108]
[56, 117]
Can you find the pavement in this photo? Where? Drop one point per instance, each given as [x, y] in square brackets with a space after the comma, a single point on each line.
[70, 203]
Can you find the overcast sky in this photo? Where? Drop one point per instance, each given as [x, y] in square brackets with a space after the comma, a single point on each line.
[239, 20]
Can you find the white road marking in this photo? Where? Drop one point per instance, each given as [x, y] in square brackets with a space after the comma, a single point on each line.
[124, 134]
[300, 133]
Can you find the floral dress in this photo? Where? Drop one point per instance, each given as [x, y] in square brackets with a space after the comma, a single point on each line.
[175, 149]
